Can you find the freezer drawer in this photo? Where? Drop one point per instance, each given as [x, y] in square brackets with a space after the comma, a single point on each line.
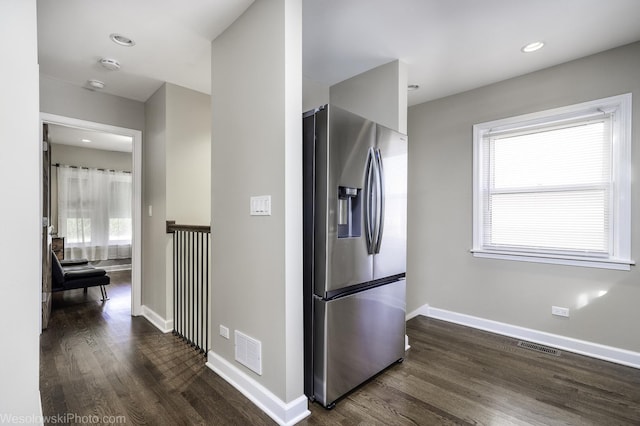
[355, 337]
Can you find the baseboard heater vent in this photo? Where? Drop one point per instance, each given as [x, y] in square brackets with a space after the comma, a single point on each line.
[539, 348]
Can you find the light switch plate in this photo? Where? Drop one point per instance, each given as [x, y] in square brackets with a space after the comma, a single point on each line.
[224, 331]
[260, 205]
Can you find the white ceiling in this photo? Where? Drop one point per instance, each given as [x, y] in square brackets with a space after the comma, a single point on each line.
[449, 45]
[65, 135]
[173, 41]
[452, 46]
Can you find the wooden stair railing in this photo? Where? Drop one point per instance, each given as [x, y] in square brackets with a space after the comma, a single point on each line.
[191, 283]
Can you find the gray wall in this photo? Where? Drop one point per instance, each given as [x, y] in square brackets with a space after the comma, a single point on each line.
[65, 99]
[441, 271]
[379, 94]
[155, 240]
[20, 307]
[314, 94]
[257, 150]
[176, 182]
[188, 156]
[93, 158]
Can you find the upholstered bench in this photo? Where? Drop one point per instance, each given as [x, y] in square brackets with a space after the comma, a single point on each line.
[77, 273]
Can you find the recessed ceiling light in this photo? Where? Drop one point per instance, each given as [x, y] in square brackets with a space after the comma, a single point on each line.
[110, 64]
[412, 87]
[122, 40]
[96, 84]
[85, 140]
[532, 47]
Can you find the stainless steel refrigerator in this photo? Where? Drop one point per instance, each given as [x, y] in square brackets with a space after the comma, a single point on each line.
[355, 210]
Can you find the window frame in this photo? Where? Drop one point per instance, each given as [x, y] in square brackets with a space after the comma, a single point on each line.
[619, 108]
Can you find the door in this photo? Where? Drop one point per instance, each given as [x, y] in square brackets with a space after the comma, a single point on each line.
[341, 161]
[356, 337]
[46, 227]
[391, 247]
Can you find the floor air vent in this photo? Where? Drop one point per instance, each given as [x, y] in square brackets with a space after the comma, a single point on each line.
[539, 348]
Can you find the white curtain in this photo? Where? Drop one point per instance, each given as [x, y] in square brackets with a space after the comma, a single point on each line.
[94, 213]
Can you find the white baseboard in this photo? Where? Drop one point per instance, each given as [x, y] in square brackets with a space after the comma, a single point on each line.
[582, 347]
[160, 323]
[282, 413]
[422, 310]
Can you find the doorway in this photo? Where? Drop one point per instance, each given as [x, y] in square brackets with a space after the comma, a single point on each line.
[136, 198]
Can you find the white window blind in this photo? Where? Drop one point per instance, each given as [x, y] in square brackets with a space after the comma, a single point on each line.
[550, 189]
[554, 185]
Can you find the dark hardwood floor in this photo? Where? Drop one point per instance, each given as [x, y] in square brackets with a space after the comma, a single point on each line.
[458, 375]
[96, 360]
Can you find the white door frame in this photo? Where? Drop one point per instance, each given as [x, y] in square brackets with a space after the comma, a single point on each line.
[136, 242]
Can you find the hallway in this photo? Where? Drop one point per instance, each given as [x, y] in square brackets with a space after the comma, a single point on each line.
[96, 360]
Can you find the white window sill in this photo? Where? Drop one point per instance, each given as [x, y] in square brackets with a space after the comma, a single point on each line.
[616, 264]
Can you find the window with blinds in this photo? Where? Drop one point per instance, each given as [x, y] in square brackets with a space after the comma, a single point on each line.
[554, 186]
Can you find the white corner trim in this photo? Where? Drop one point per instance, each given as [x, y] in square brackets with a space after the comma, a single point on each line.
[160, 323]
[39, 415]
[282, 413]
[582, 347]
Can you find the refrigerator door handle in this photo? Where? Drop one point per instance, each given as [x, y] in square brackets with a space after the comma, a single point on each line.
[381, 198]
[368, 195]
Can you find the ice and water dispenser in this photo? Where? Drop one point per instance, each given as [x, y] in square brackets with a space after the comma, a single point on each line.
[349, 212]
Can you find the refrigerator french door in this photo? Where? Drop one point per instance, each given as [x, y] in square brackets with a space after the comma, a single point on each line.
[354, 250]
